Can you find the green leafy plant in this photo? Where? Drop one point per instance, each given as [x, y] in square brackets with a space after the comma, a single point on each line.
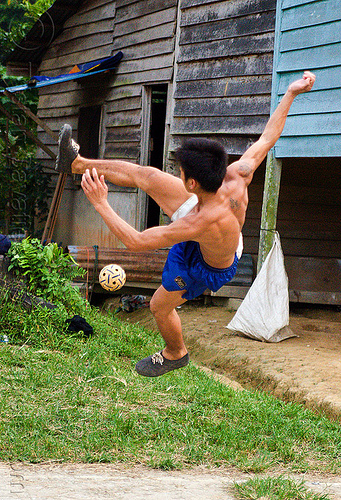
[36, 9]
[47, 271]
[17, 18]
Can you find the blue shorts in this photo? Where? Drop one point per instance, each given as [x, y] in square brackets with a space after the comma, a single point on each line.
[185, 269]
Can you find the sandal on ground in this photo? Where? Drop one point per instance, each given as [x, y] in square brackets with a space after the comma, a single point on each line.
[67, 150]
[157, 365]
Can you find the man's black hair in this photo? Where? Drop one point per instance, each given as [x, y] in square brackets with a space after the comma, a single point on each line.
[204, 160]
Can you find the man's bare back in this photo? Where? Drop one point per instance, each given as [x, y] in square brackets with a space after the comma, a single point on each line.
[221, 218]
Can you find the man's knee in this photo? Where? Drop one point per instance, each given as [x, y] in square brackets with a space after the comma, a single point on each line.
[160, 307]
[155, 307]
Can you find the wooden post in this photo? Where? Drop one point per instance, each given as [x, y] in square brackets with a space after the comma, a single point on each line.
[142, 199]
[270, 205]
[54, 209]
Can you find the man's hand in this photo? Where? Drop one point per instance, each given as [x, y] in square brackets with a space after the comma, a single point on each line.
[303, 85]
[94, 188]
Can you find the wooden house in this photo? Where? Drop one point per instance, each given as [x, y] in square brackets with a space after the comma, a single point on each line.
[195, 68]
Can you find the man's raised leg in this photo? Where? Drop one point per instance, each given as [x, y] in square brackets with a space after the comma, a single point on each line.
[167, 190]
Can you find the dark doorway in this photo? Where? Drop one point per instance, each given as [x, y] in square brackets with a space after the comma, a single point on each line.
[89, 124]
[157, 140]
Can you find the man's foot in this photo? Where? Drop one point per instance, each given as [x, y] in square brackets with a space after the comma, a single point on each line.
[67, 150]
[157, 365]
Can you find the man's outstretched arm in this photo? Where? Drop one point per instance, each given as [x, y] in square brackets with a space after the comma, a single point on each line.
[254, 156]
[96, 191]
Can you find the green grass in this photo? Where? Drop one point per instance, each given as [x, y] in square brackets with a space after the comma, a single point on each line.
[65, 398]
[278, 488]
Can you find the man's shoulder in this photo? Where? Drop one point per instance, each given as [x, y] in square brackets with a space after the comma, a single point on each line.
[239, 169]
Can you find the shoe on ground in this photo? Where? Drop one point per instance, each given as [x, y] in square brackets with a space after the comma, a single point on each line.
[157, 365]
[67, 150]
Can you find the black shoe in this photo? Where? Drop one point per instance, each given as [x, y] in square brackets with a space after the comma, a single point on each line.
[157, 365]
[67, 150]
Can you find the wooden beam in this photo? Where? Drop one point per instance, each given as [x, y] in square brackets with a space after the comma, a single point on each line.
[269, 209]
[29, 113]
[142, 200]
[28, 132]
[308, 297]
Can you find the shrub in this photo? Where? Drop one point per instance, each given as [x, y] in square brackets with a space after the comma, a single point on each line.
[47, 272]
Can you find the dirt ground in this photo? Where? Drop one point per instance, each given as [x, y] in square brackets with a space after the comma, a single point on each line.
[306, 368]
[108, 482]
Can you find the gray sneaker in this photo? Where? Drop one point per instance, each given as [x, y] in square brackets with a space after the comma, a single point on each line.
[67, 150]
[157, 365]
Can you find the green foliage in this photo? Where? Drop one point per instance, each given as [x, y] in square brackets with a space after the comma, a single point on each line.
[275, 488]
[24, 191]
[17, 18]
[40, 326]
[36, 9]
[48, 272]
[24, 187]
[11, 23]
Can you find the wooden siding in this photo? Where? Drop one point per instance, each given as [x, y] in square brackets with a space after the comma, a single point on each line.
[88, 35]
[223, 73]
[223, 83]
[79, 224]
[144, 32]
[308, 36]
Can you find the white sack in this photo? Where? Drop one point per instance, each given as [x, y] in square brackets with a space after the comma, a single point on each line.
[264, 313]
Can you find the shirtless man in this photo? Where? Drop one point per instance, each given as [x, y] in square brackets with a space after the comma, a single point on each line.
[204, 242]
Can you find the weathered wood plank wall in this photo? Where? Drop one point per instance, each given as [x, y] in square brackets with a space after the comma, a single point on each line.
[223, 82]
[144, 32]
[88, 35]
[309, 217]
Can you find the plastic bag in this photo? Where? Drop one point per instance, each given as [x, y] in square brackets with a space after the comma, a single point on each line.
[264, 312]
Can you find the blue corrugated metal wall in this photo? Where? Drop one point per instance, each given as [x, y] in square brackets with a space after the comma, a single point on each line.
[308, 36]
